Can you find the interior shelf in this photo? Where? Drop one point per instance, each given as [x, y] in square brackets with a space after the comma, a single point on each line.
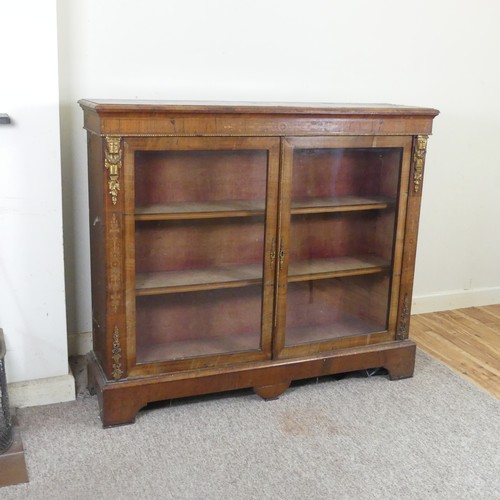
[247, 208]
[340, 204]
[198, 279]
[251, 274]
[198, 347]
[201, 210]
[315, 269]
[347, 326]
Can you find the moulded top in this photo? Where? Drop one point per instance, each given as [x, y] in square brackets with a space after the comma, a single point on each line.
[119, 105]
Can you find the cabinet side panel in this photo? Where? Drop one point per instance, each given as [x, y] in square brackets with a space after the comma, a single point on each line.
[411, 234]
[97, 245]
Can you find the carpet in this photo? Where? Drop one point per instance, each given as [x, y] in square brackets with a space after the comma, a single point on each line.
[434, 436]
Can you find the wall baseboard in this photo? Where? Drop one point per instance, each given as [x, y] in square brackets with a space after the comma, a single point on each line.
[43, 391]
[79, 344]
[455, 299]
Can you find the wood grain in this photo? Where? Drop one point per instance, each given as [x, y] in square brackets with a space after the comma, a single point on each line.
[210, 205]
[199, 347]
[198, 279]
[147, 120]
[345, 203]
[154, 283]
[144, 106]
[201, 210]
[313, 269]
[120, 401]
[248, 208]
[466, 340]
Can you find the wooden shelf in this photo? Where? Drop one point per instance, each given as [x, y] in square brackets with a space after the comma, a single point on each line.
[316, 269]
[191, 348]
[201, 210]
[251, 274]
[340, 204]
[347, 326]
[198, 279]
[249, 208]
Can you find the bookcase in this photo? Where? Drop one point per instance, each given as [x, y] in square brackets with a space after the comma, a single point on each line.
[238, 245]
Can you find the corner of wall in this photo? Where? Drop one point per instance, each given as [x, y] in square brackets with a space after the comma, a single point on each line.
[79, 344]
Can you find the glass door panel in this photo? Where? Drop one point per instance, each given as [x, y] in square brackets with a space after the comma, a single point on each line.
[206, 183]
[340, 214]
[199, 323]
[198, 253]
[327, 309]
[204, 210]
[344, 178]
[195, 281]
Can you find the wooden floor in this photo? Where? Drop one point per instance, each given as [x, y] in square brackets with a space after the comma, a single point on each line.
[466, 340]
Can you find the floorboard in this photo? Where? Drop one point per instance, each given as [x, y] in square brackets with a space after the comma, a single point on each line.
[466, 340]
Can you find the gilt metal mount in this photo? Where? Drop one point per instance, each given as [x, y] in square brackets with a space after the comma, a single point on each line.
[113, 164]
[419, 161]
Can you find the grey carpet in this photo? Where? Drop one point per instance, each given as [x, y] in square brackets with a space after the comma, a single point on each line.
[431, 437]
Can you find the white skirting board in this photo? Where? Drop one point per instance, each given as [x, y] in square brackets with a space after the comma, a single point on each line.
[79, 344]
[455, 299]
[42, 391]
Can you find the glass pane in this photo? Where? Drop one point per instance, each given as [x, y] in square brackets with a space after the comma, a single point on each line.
[343, 177]
[198, 252]
[199, 246]
[219, 262]
[341, 242]
[319, 310]
[184, 325]
[335, 241]
[200, 181]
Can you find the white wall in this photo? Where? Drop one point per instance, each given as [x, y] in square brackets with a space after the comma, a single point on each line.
[32, 292]
[438, 54]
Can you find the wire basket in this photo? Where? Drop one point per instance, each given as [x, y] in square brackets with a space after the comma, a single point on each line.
[5, 420]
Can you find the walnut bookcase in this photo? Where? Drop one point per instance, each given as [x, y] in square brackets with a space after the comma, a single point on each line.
[243, 245]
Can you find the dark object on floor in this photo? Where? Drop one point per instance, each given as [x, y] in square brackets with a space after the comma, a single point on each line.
[5, 420]
[12, 463]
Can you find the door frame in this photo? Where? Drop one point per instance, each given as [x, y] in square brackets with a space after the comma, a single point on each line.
[133, 144]
[288, 146]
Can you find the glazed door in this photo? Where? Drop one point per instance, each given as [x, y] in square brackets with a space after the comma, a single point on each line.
[342, 207]
[201, 222]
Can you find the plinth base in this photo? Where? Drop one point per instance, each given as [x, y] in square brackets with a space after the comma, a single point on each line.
[119, 401]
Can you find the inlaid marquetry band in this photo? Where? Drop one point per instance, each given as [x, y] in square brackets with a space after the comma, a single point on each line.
[116, 355]
[419, 161]
[115, 269]
[402, 333]
[113, 164]
[273, 134]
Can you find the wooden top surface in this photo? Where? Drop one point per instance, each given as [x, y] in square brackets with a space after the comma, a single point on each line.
[118, 105]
